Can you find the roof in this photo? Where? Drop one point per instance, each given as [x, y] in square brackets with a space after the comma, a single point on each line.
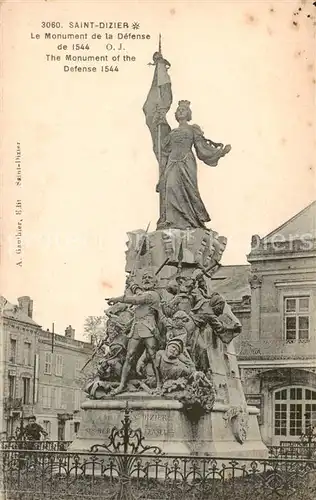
[63, 341]
[12, 311]
[232, 282]
[302, 223]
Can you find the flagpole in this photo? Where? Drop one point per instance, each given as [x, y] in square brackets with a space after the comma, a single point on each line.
[53, 336]
[156, 106]
[159, 134]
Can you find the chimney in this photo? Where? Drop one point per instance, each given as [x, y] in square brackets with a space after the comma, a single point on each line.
[26, 305]
[70, 332]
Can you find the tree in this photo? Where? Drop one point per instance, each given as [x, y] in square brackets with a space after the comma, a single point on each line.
[95, 328]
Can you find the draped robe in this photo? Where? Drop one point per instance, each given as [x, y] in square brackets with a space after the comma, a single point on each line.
[182, 206]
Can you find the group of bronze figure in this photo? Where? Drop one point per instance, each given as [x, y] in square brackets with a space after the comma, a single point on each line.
[158, 339]
[158, 336]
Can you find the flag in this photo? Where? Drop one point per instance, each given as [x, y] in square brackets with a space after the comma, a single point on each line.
[3, 302]
[143, 248]
[180, 254]
[158, 103]
[143, 245]
[180, 257]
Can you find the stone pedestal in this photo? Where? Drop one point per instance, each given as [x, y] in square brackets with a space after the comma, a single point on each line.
[164, 424]
[198, 247]
[231, 429]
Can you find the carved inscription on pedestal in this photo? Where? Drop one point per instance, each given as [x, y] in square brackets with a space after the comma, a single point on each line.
[100, 426]
[157, 425]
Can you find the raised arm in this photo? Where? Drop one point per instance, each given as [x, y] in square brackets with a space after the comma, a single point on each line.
[140, 298]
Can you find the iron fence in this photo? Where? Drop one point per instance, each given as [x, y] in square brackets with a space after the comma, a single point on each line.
[13, 444]
[39, 475]
[296, 449]
[125, 468]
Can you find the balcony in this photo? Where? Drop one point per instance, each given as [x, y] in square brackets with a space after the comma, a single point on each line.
[12, 404]
[271, 348]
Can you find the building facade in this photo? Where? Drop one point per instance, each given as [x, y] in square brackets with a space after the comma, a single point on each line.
[275, 298]
[60, 394]
[39, 373]
[19, 334]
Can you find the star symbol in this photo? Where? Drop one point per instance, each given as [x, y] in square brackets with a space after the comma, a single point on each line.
[135, 26]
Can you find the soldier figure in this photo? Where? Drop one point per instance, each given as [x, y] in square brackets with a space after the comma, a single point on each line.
[214, 311]
[170, 364]
[144, 329]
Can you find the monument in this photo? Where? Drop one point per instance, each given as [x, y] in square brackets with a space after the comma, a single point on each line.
[171, 354]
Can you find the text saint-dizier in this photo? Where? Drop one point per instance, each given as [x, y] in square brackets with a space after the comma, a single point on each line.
[100, 24]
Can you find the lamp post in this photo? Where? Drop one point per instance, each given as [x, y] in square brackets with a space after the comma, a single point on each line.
[22, 423]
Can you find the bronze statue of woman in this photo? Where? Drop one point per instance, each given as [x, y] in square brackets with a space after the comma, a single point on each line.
[182, 206]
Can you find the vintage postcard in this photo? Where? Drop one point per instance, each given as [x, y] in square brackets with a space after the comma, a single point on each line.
[158, 249]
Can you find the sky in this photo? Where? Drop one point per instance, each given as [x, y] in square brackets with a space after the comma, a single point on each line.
[87, 166]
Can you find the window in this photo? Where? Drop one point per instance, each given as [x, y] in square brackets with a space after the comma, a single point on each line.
[296, 316]
[58, 398]
[48, 363]
[12, 357]
[12, 386]
[47, 397]
[76, 427]
[294, 411]
[78, 368]
[47, 426]
[77, 399]
[27, 354]
[59, 365]
[26, 390]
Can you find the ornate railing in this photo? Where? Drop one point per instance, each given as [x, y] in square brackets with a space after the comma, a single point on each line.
[293, 450]
[270, 348]
[41, 475]
[304, 448]
[125, 468]
[14, 444]
[12, 404]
